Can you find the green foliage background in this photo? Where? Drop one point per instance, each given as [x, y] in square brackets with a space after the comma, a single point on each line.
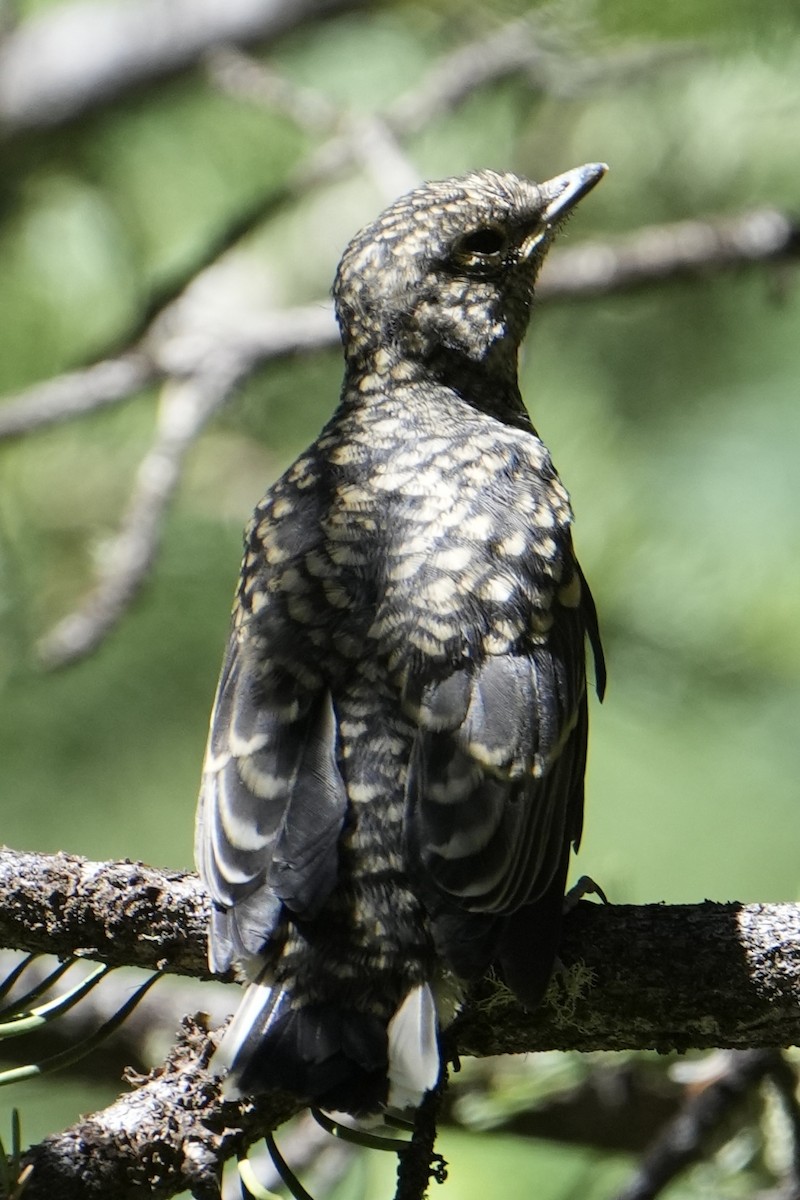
[672, 414]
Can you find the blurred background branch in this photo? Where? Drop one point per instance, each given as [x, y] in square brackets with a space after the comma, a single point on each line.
[201, 375]
[80, 56]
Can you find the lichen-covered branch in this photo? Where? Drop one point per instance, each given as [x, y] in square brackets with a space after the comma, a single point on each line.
[669, 977]
[635, 977]
[170, 1134]
[121, 913]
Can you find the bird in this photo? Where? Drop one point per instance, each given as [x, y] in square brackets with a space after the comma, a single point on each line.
[394, 776]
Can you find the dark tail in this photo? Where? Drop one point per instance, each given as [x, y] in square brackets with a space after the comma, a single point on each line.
[337, 1058]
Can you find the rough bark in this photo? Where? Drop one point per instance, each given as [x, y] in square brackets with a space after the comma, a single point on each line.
[668, 977]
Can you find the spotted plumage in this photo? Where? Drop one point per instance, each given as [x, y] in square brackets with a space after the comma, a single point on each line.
[394, 774]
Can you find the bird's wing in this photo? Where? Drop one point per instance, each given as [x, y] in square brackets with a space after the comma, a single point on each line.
[271, 806]
[495, 789]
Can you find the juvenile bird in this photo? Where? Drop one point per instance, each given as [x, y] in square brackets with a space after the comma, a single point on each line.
[394, 773]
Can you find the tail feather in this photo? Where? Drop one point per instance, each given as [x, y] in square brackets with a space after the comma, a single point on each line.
[413, 1049]
[338, 1058]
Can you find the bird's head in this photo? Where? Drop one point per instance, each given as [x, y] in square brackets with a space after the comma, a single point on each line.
[446, 273]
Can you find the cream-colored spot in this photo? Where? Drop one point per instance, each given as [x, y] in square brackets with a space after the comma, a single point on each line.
[353, 496]
[453, 514]
[317, 565]
[345, 454]
[513, 545]
[452, 558]
[543, 517]
[386, 425]
[534, 452]
[352, 729]
[291, 580]
[570, 594]
[282, 507]
[506, 629]
[479, 526]
[370, 383]
[438, 591]
[261, 783]
[438, 625]
[336, 594]
[497, 589]
[385, 481]
[274, 554]
[346, 555]
[424, 642]
[301, 610]
[542, 622]
[300, 468]
[362, 793]
[258, 601]
[405, 568]
[403, 371]
[419, 544]
[488, 756]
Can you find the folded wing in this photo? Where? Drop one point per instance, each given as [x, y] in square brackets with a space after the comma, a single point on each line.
[271, 807]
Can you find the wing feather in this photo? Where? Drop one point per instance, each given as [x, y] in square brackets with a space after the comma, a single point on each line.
[495, 785]
[272, 805]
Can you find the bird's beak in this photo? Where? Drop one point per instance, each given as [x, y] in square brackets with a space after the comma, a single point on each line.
[563, 193]
[554, 200]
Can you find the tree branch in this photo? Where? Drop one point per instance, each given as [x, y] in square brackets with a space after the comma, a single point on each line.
[655, 976]
[201, 366]
[120, 913]
[185, 407]
[684, 1140]
[79, 56]
[169, 1135]
[679, 250]
[669, 977]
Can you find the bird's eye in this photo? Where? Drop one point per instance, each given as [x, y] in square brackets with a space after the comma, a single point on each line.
[485, 243]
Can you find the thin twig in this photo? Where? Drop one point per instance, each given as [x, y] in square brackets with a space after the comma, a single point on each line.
[368, 141]
[685, 1138]
[653, 255]
[784, 1080]
[184, 409]
[660, 253]
[75, 393]
[246, 78]
[150, 1027]
[418, 1161]
[170, 347]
